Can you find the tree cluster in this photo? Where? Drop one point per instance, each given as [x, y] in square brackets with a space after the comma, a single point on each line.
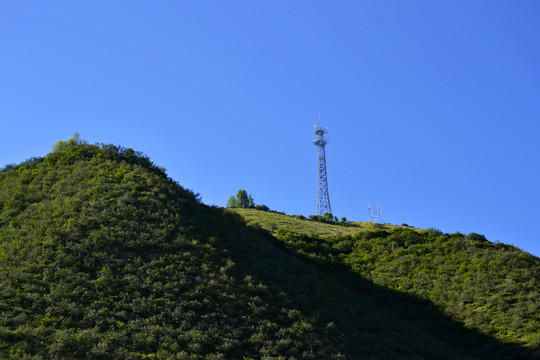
[326, 218]
[241, 200]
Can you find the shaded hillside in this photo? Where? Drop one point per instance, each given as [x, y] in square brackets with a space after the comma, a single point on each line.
[103, 257]
[492, 287]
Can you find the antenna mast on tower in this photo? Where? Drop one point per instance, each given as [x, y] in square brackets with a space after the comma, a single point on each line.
[323, 199]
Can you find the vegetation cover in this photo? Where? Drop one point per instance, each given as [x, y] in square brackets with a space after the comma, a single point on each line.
[102, 256]
[492, 287]
[241, 200]
[489, 287]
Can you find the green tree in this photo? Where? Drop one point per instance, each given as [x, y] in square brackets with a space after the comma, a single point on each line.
[72, 141]
[231, 203]
[241, 200]
[328, 217]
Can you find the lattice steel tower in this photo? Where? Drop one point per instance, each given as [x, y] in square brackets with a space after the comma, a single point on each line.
[323, 199]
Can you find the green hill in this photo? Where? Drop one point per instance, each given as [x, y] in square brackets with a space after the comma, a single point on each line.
[491, 287]
[104, 257]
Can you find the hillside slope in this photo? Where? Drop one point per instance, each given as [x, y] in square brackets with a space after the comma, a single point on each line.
[273, 221]
[491, 287]
[103, 257]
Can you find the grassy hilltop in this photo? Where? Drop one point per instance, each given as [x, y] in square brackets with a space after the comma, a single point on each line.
[102, 256]
[272, 221]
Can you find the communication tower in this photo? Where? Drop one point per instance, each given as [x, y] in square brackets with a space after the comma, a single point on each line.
[375, 215]
[323, 199]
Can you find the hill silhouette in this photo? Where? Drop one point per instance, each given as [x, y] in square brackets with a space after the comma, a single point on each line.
[102, 256]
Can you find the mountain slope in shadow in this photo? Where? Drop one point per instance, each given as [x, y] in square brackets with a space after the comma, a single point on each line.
[103, 257]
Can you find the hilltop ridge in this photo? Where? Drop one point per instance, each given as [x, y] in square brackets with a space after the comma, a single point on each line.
[271, 221]
[102, 256]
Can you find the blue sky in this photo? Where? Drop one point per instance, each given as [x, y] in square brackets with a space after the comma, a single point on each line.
[432, 107]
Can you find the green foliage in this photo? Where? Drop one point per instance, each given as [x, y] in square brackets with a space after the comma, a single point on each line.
[262, 207]
[489, 287]
[231, 203]
[76, 140]
[242, 200]
[326, 218]
[272, 221]
[102, 256]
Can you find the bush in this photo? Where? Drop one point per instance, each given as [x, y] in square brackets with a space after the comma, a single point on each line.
[477, 237]
[326, 218]
[435, 231]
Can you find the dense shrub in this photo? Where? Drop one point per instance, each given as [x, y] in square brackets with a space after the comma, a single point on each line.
[102, 256]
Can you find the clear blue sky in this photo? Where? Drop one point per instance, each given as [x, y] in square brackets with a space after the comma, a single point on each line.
[433, 107]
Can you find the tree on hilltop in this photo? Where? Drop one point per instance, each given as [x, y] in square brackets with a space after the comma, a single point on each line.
[72, 141]
[241, 200]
